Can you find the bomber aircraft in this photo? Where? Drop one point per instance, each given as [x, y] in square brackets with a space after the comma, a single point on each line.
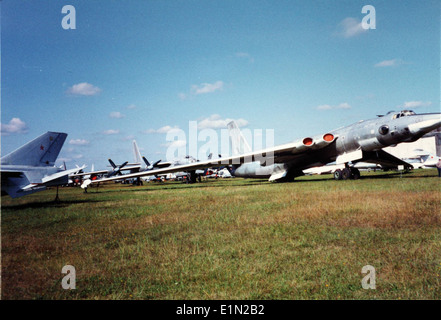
[31, 168]
[361, 141]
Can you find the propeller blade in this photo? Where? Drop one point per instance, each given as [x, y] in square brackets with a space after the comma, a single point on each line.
[146, 161]
[155, 163]
[123, 165]
[112, 163]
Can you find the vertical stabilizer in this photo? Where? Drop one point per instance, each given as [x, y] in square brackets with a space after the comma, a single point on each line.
[42, 151]
[136, 154]
[238, 143]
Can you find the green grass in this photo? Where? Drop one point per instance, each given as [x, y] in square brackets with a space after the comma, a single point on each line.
[228, 239]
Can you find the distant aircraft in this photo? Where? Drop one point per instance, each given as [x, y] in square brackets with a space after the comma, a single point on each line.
[116, 169]
[332, 168]
[361, 141]
[31, 168]
[422, 159]
[141, 164]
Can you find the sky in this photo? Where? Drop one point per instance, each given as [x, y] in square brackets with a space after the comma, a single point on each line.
[110, 72]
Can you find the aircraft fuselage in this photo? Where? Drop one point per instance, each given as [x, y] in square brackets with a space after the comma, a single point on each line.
[350, 143]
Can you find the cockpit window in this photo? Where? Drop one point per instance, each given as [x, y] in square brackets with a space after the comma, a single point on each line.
[403, 113]
[407, 113]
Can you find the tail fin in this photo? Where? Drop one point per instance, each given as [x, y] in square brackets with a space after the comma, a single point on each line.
[42, 151]
[136, 154]
[238, 143]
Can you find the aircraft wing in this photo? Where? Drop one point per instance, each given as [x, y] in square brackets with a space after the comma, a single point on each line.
[60, 174]
[385, 159]
[136, 167]
[279, 154]
[87, 173]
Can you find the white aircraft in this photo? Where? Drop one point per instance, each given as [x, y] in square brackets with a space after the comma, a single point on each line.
[31, 167]
[332, 168]
[422, 159]
[116, 170]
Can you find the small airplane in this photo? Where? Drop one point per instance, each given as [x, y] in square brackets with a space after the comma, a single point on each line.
[361, 141]
[31, 168]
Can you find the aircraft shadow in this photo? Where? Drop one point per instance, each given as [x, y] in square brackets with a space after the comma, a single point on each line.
[46, 204]
[394, 175]
[197, 185]
[175, 186]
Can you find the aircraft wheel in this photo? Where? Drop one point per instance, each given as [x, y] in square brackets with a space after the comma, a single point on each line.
[345, 174]
[338, 174]
[355, 173]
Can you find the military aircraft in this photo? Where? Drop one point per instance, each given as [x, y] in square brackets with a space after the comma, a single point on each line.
[140, 164]
[116, 170]
[332, 167]
[361, 141]
[31, 168]
[423, 159]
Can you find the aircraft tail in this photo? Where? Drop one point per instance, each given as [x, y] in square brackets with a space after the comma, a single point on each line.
[238, 143]
[136, 154]
[42, 151]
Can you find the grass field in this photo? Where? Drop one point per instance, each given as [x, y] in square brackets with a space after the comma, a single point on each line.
[228, 239]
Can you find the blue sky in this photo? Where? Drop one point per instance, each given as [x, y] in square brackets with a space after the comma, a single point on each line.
[131, 70]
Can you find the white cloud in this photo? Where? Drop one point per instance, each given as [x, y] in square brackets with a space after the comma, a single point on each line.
[164, 129]
[182, 96]
[344, 105]
[207, 87]
[111, 131]
[79, 142]
[245, 55]
[175, 144]
[215, 121]
[415, 104]
[116, 115]
[84, 89]
[350, 27]
[64, 159]
[389, 63]
[129, 137]
[131, 107]
[14, 126]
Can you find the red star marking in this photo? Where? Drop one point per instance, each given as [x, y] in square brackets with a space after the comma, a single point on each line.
[41, 147]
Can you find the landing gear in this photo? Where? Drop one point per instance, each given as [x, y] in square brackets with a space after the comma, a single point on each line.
[347, 173]
[355, 173]
[57, 199]
[338, 174]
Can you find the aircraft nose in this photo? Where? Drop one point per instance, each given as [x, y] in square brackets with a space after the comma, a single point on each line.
[426, 123]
